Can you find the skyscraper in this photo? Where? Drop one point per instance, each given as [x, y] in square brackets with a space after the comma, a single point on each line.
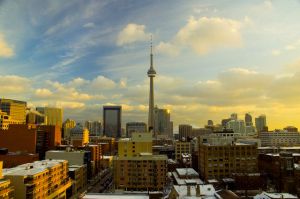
[260, 123]
[151, 74]
[248, 119]
[53, 116]
[112, 121]
[163, 125]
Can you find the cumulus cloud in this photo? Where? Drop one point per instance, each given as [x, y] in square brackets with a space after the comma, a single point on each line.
[43, 93]
[5, 49]
[132, 33]
[204, 35]
[101, 82]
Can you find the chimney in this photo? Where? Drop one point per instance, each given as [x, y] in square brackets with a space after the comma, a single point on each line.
[198, 193]
[188, 190]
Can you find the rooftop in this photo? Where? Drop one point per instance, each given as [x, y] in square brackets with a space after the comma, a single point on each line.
[206, 191]
[265, 195]
[115, 196]
[31, 169]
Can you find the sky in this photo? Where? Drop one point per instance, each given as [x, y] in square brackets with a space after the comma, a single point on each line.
[212, 57]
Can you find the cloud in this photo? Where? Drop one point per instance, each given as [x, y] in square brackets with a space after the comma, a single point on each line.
[70, 105]
[132, 33]
[43, 93]
[89, 25]
[167, 48]
[289, 47]
[5, 49]
[14, 84]
[207, 34]
[101, 82]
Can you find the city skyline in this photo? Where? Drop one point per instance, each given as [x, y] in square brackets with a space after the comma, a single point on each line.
[81, 56]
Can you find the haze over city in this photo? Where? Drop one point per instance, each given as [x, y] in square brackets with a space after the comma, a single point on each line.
[212, 58]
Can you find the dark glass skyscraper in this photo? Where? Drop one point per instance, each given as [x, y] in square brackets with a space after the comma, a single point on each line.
[112, 121]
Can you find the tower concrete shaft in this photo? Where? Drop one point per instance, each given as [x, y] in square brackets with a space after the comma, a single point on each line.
[151, 74]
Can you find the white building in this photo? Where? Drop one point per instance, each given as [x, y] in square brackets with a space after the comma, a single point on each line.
[238, 126]
[279, 138]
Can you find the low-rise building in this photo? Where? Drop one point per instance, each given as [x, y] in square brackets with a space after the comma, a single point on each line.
[41, 179]
[192, 191]
[280, 138]
[220, 161]
[265, 195]
[182, 176]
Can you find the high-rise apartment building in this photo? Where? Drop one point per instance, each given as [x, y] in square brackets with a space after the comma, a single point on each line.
[4, 120]
[48, 137]
[138, 127]
[54, 115]
[112, 121]
[238, 126]
[94, 127]
[67, 126]
[162, 123]
[40, 179]
[260, 123]
[15, 109]
[79, 135]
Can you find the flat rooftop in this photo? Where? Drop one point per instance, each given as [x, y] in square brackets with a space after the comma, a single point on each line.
[116, 196]
[31, 169]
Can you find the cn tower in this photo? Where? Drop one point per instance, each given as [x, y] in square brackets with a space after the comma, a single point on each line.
[151, 74]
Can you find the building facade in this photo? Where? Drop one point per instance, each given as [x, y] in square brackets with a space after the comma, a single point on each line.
[221, 161]
[54, 115]
[15, 109]
[182, 147]
[41, 179]
[279, 138]
[112, 121]
[139, 143]
[162, 122]
[67, 126]
[138, 127]
[140, 173]
[185, 131]
[260, 123]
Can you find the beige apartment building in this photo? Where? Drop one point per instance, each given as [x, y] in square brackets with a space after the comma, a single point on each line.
[40, 179]
[220, 161]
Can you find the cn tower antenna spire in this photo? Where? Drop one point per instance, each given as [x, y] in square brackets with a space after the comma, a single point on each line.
[151, 74]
